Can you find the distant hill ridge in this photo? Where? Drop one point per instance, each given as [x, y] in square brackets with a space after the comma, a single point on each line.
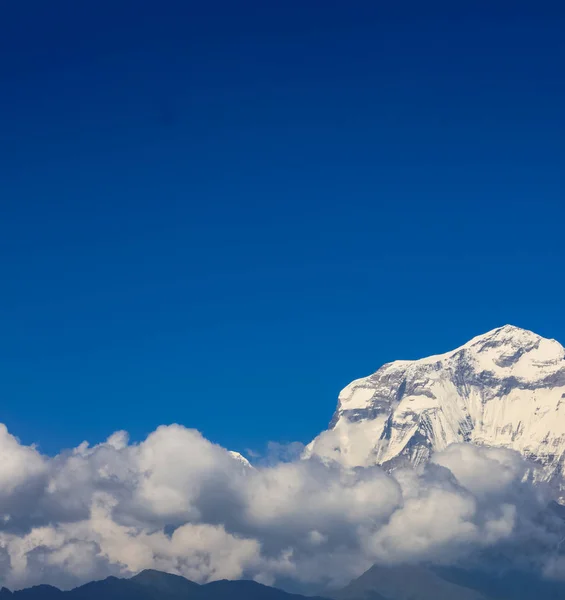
[153, 585]
[378, 583]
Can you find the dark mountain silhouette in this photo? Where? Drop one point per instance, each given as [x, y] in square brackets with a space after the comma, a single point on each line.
[449, 583]
[154, 585]
[509, 584]
[44, 592]
[404, 583]
[378, 583]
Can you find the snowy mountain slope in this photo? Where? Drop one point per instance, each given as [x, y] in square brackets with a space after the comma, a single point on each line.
[504, 388]
[405, 583]
[241, 460]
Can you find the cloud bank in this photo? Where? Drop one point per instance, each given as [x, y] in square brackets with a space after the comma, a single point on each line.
[179, 503]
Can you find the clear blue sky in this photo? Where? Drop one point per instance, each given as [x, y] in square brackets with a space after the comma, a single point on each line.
[220, 213]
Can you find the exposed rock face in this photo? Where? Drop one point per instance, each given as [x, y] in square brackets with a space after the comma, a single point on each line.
[505, 388]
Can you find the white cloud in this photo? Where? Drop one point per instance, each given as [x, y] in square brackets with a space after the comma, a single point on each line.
[182, 504]
[19, 465]
[486, 473]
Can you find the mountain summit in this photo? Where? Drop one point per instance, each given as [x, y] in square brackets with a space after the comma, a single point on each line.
[505, 388]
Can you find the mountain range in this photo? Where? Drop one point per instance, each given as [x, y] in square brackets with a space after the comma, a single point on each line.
[378, 583]
[153, 585]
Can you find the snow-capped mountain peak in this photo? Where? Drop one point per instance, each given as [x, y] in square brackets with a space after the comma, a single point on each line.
[503, 388]
[505, 351]
[511, 351]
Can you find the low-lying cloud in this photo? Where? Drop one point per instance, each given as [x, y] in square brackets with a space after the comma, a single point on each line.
[179, 503]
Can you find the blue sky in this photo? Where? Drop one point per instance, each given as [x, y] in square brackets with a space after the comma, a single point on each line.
[220, 215]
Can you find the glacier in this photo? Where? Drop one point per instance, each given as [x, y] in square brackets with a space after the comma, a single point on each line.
[505, 388]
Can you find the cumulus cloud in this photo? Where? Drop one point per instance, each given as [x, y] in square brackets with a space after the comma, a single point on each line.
[179, 503]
